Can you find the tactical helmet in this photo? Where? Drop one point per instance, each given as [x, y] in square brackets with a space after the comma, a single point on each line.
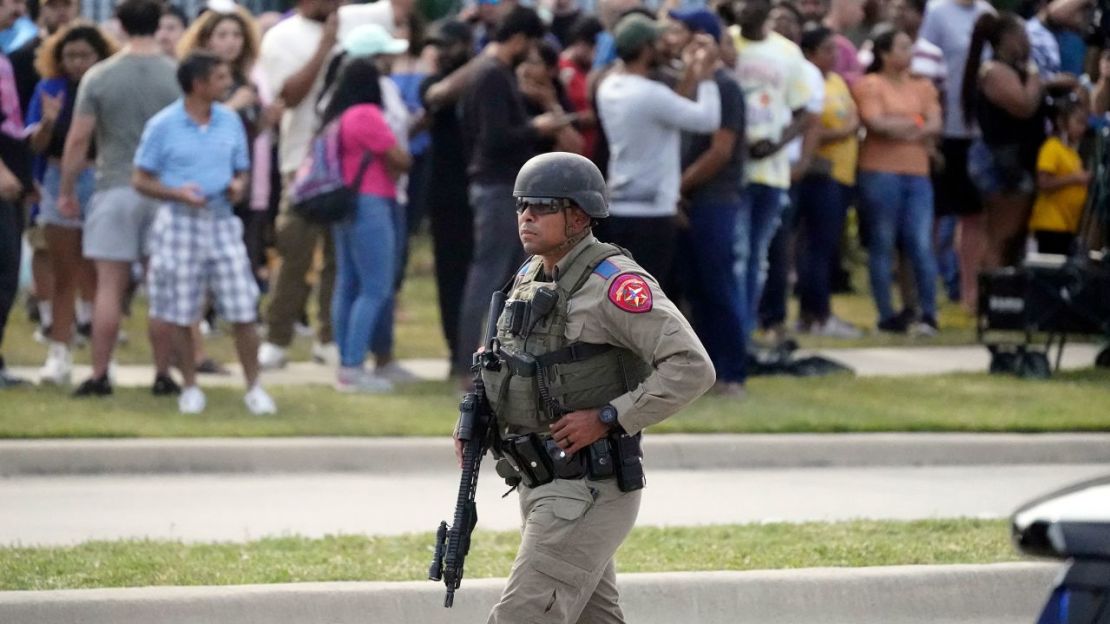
[562, 175]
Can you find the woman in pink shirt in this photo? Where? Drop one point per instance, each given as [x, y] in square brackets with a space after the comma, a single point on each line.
[365, 244]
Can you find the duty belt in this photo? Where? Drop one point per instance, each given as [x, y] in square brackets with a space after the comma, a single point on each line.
[536, 460]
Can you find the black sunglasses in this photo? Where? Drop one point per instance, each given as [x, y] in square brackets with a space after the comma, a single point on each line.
[542, 205]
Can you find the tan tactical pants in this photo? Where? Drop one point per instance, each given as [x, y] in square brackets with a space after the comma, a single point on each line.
[564, 572]
[296, 244]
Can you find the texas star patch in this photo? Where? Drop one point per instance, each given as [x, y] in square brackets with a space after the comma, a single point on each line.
[631, 293]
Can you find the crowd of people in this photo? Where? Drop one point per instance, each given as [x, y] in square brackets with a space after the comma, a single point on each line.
[156, 152]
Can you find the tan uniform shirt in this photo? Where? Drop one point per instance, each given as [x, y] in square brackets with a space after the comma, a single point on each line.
[652, 328]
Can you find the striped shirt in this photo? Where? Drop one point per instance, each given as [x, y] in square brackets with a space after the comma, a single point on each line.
[180, 151]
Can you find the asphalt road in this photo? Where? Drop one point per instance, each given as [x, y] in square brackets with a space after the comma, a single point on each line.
[67, 510]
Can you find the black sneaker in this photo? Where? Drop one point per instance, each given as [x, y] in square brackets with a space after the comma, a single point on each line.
[164, 385]
[208, 366]
[907, 316]
[893, 325]
[94, 386]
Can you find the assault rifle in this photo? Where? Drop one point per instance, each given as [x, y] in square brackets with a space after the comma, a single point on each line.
[475, 432]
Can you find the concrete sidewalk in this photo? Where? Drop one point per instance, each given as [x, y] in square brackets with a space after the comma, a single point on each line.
[434, 455]
[958, 594]
[869, 362]
[236, 508]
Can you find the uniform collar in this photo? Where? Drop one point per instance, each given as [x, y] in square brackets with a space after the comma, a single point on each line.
[572, 255]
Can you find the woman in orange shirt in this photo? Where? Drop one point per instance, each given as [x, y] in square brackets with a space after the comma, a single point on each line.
[902, 117]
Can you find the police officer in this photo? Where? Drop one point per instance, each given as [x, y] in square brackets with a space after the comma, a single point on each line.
[592, 352]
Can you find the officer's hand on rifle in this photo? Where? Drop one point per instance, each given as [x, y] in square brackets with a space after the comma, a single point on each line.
[460, 446]
[577, 430]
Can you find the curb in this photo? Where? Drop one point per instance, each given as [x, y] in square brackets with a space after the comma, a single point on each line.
[957, 594]
[663, 451]
[865, 361]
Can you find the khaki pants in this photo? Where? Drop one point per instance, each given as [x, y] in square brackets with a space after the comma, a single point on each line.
[296, 244]
[564, 571]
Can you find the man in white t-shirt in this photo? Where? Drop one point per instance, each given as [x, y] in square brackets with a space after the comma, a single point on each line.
[771, 71]
[293, 61]
[787, 21]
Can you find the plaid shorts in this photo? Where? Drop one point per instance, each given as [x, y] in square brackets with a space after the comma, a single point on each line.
[193, 255]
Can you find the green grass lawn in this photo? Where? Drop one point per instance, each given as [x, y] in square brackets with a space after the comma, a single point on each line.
[1070, 401]
[406, 558]
[419, 335]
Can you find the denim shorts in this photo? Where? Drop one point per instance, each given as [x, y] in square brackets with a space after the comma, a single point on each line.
[48, 206]
[988, 177]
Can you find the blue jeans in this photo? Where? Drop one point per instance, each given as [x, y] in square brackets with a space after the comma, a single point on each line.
[381, 341]
[365, 250]
[776, 282]
[822, 207]
[760, 212]
[899, 208]
[497, 255]
[714, 291]
[948, 263]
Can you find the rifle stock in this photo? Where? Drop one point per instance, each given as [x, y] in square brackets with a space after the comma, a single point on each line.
[475, 429]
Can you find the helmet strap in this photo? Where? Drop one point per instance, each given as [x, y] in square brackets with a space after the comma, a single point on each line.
[572, 239]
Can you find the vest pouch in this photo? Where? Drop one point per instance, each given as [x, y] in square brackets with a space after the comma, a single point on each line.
[515, 400]
[589, 383]
[495, 381]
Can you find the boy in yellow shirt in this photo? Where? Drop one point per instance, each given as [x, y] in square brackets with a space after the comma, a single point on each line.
[1061, 183]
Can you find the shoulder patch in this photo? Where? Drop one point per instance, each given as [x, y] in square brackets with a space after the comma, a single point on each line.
[606, 269]
[631, 293]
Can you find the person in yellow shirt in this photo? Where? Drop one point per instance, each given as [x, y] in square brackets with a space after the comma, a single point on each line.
[1061, 182]
[823, 193]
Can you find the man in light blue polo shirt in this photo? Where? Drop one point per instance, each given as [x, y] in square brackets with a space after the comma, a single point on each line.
[193, 157]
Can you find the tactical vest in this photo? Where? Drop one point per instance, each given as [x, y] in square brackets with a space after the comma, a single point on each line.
[543, 375]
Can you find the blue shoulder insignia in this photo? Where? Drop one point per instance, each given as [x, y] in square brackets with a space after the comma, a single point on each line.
[524, 268]
[606, 270]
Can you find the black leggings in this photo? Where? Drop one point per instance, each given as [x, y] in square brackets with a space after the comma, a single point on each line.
[1053, 242]
[11, 232]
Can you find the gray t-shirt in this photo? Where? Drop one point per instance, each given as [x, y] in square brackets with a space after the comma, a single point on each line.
[725, 186]
[123, 92]
[948, 25]
[644, 121]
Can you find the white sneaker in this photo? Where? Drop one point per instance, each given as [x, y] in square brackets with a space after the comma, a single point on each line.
[835, 327]
[327, 354]
[396, 373]
[271, 356]
[191, 401]
[358, 380]
[922, 329]
[259, 402]
[58, 366]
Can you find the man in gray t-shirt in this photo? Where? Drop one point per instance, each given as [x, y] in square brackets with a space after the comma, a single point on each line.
[121, 94]
[948, 25]
[114, 102]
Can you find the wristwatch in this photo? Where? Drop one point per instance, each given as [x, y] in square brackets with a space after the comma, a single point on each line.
[608, 417]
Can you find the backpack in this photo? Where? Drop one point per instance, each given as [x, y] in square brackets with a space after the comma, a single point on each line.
[318, 193]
